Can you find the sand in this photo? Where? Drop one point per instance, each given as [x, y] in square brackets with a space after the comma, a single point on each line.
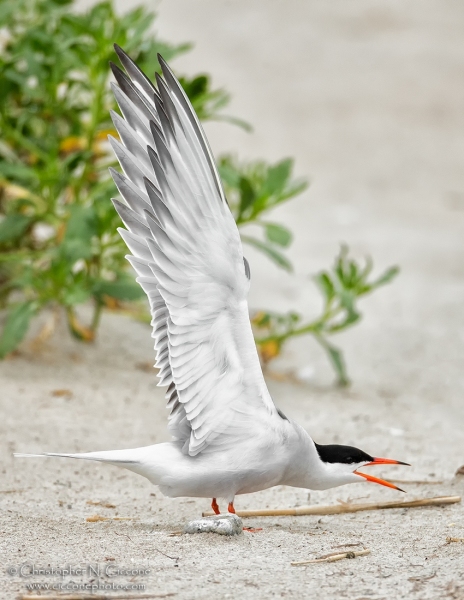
[369, 99]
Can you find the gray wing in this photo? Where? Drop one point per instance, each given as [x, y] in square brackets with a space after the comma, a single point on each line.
[186, 250]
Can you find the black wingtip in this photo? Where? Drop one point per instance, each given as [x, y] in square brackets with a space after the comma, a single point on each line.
[114, 67]
[121, 54]
[121, 78]
[164, 65]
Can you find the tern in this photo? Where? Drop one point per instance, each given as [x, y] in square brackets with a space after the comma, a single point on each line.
[228, 436]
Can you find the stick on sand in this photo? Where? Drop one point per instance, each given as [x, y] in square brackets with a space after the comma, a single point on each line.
[337, 509]
[332, 557]
[97, 518]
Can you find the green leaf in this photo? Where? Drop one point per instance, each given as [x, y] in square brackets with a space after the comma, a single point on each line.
[277, 176]
[16, 326]
[205, 101]
[81, 228]
[351, 318]
[247, 194]
[347, 299]
[234, 121]
[340, 264]
[81, 222]
[122, 289]
[325, 284]
[196, 86]
[387, 276]
[337, 360]
[256, 187]
[278, 234]
[13, 226]
[18, 173]
[228, 172]
[77, 294]
[367, 270]
[270, 251]
[293, 189]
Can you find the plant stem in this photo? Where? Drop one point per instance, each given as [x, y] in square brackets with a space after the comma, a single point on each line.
[314, 327]
[24, 141]
[337, 360]
[96, 315]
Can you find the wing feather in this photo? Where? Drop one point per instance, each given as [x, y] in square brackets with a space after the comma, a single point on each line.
[187, 254]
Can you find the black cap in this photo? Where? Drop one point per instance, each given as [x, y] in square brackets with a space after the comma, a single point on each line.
[335, 453]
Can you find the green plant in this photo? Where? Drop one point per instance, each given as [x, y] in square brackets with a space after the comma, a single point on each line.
[58, 240]
[341, 288]
[57, 237]
[254, 189]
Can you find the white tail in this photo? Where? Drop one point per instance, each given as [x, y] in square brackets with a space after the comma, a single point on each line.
[123, 457]
[148, 461]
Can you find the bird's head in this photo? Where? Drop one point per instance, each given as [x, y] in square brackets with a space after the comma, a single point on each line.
[341, 464]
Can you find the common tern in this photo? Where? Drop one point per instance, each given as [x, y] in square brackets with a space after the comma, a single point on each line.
[228, 436]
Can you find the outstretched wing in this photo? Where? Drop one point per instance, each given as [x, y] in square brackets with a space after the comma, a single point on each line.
[188, 255]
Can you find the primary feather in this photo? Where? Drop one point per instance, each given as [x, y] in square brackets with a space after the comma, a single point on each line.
[186, 250]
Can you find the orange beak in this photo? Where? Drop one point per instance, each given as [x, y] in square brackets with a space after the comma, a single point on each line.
[382, 461]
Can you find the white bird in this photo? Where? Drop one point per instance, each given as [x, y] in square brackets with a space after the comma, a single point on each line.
[228, 436]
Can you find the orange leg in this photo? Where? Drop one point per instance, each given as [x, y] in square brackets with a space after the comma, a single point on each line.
[215, 507]
[231, 509]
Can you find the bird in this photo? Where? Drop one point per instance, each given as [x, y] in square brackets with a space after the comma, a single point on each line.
[228, 437]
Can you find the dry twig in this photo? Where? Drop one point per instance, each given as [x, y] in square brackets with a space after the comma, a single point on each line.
[123, 535]
[96, 518]
[101, 503]
[333, 557]
[62, 393]
[422, 578]
[176, 558]
[336, 509]
[453, 539]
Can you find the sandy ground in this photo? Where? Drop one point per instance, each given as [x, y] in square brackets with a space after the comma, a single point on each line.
[369, 99]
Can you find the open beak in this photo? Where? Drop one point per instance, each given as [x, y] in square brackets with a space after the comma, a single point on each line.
[382, 461]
